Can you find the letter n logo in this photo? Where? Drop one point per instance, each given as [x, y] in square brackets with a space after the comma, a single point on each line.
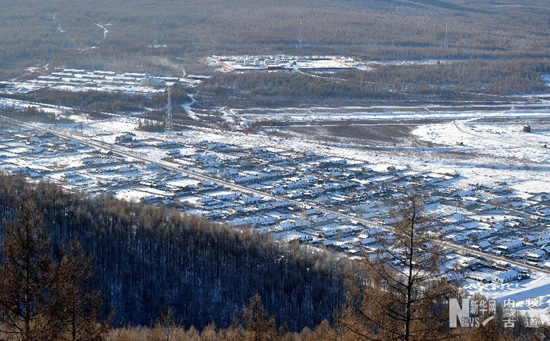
[456, 312]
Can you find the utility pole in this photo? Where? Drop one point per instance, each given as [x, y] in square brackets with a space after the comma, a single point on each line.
[300, 34]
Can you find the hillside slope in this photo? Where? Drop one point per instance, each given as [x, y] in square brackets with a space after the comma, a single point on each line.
[148, 259]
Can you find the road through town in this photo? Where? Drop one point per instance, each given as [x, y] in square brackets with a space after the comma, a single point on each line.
[126, 152]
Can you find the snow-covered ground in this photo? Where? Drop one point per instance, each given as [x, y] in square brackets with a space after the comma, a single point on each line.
[535, 288]
[418, 113]
[505, 152]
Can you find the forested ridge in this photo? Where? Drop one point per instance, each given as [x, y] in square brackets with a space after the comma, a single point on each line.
[119, 34]
[148, 259]
[443, 82]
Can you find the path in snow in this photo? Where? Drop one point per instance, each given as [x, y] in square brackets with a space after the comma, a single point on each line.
[105, 31]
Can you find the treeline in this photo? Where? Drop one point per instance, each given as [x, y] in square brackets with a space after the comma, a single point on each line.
[148, 259]
[30, 114]
[62, 32]
[101, 101]
[453, 78]
[444, 81]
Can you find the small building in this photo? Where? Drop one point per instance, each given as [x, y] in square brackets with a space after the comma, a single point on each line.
[510, 246]
[125, 138]
[507, 276]
[535, 255]
[484, 245]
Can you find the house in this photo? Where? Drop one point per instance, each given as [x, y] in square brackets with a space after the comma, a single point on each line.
[251, 200]
[535, 255]
[125, 138]
[484, 244]
[510, 246]
[507, 276]
[450, 228]
[457, 238]
[480, 277]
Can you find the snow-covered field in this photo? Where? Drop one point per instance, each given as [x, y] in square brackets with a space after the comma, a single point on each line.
[536, 288]
[505, 152]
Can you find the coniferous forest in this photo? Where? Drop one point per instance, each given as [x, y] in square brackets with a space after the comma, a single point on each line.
[148, 259]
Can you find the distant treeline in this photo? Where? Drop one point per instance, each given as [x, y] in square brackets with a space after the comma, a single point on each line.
[479, 80]
[63, 32]
[101, 101]
[147, 259]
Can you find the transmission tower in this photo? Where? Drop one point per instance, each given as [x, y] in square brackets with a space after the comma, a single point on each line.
[300, 33]
[155, 41]
[446, 44]
[169, 120]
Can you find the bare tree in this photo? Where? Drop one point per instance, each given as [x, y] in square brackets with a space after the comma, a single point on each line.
[78, 306]
[167, 328]
[41, 299]
[399, 291]
[26, 277]
[258, 323]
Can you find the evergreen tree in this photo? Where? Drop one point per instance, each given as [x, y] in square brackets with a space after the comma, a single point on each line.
[40, 298]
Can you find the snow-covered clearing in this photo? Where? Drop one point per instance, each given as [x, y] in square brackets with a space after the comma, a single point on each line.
[187, 106]
[537, 287]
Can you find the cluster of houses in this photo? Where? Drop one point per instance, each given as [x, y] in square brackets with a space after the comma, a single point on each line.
[499, 221]
[309, 197]
[283, 63]
[96, 79]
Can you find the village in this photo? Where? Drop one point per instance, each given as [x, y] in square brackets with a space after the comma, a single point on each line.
[321, 201]
[491, 213]
[284, 63]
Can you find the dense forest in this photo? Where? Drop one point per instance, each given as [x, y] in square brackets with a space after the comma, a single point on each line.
[148, 259]
[476, 80]
[96, 101]
[121, 34]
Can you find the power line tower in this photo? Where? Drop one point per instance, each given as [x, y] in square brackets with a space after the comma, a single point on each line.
[301, 34]
[169, 127]
[155, 41]
[446, 43]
